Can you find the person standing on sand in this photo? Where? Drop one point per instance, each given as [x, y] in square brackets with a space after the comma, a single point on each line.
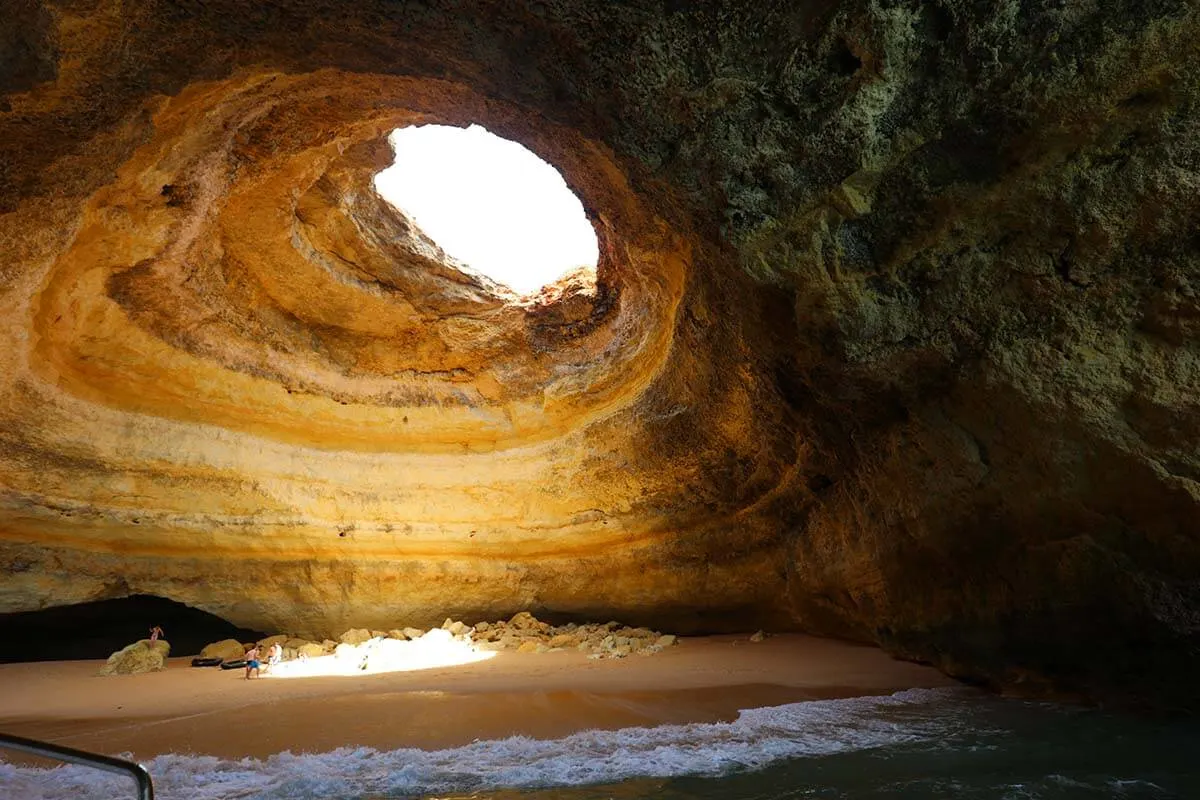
[252, 662]
[155, 632]
[275, 654]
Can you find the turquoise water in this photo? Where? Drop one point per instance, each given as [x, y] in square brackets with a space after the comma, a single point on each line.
[954, 743]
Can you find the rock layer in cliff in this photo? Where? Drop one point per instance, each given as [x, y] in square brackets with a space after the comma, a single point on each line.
[893, 335]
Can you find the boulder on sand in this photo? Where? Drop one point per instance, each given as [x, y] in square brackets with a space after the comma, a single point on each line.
[525, 622]
[139, 657]
[310, 650]
[226, 650]
[564, 640]
[456, 627]
[355, 636]
[279, 638]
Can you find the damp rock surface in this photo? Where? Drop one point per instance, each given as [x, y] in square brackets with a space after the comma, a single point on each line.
[894, 336]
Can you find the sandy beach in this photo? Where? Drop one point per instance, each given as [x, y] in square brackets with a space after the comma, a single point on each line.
[547, 695]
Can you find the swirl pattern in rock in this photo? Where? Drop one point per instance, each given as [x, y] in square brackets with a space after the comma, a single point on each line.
[894, 335]
[246, 358]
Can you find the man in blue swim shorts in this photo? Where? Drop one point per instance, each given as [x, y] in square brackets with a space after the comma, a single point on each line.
[252, 661]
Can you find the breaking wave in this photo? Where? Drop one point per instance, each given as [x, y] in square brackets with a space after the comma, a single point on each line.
[756, 739]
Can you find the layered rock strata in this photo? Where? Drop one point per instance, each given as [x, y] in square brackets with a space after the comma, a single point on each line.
[894, 336]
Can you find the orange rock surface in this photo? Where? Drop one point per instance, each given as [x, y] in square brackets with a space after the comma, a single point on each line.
[894, 335]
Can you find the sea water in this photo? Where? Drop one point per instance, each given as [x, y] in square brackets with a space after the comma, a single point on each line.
[954, 743]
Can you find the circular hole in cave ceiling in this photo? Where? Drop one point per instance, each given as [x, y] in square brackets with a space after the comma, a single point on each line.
[490, 204]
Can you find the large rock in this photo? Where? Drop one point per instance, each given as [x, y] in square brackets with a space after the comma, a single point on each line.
[311, 650]
[139, 657]
[226, 649]
[355, 636]
[893, 337]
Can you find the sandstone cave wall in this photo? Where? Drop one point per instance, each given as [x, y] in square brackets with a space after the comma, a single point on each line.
[897, 336]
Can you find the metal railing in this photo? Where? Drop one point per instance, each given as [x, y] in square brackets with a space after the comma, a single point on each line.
[118, 766]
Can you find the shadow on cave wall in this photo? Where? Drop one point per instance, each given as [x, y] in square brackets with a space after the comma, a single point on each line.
[95, 630]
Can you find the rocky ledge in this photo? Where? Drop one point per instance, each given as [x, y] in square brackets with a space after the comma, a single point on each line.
[524, 633]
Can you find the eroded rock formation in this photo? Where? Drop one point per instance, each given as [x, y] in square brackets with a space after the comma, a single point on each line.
[137, 658]
[894, 338]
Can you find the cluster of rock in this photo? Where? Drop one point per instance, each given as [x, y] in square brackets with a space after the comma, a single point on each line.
[524, 633]
[141, 656]
[293, 647]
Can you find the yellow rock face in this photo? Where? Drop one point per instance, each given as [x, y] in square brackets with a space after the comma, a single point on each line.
[247, 383]
[894, 335]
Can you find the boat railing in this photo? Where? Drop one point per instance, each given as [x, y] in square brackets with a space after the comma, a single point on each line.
[119, 766]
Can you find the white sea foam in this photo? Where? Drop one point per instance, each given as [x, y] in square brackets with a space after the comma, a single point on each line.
[757, 738]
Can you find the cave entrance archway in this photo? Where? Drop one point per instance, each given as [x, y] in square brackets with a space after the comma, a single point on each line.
[491, 204]
[97, 629]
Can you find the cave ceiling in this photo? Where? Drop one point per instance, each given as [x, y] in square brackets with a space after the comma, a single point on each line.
[894, 334]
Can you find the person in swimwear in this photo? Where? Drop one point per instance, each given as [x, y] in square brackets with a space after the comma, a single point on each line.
[252, 662]
[155, 632]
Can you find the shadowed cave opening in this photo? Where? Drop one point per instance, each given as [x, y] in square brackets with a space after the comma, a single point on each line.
[491, 204]
[98, 629]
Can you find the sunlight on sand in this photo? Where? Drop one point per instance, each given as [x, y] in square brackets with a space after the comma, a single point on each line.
[437, 648]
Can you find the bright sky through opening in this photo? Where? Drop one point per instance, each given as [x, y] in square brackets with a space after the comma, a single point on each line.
[490, 203]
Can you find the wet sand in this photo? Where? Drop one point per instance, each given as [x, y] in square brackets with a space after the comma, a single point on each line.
[547, 695]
